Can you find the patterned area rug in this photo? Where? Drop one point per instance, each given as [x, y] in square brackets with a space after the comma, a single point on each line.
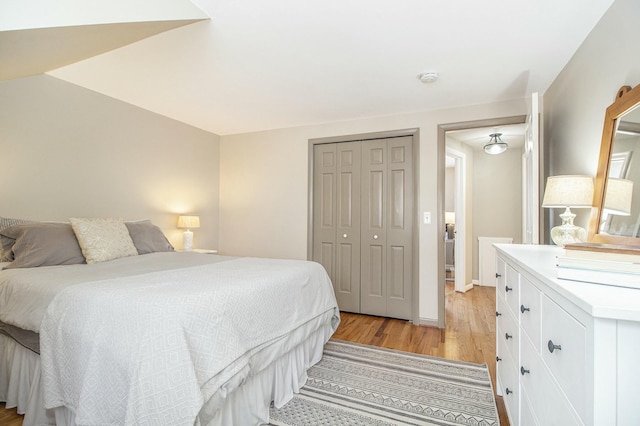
[364, 385]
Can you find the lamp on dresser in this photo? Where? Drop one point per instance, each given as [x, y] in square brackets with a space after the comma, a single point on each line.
[188, 223]
[568, 191]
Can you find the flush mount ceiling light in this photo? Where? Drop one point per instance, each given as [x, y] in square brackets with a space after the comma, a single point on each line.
[428, 76]
[495, 145]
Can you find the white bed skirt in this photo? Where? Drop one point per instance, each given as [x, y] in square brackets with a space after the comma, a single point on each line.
[20, 385]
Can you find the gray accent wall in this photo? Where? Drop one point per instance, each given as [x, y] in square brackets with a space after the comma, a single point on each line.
[67, 151]
[575, 104]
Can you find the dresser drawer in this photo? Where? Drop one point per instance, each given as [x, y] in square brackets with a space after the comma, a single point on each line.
[507, 374]
[507, 330]
[527, 415]
[542, 391]
[564, 344]
[530, 311]
[512, 289]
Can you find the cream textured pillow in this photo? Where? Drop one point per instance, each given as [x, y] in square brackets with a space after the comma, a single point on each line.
[103, 239]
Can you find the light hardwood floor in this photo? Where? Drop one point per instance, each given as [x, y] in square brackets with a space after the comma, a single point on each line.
[470, 335]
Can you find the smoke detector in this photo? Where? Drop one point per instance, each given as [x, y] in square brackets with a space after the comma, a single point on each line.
[428, 76]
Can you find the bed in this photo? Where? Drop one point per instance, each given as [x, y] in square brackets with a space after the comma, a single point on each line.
[162, 337]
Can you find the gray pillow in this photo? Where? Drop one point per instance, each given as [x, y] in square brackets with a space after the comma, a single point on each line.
[42, 244]
[5, 222]
[147, 237]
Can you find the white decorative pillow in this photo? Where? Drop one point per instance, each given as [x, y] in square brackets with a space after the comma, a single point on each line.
[103, 239]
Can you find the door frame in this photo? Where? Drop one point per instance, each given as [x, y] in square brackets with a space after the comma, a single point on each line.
[415, 142]
[460, 207]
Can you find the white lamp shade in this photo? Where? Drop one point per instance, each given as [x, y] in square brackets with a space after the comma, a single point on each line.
[568, 191]
[495, 148]
[188, 222]
[617, 196]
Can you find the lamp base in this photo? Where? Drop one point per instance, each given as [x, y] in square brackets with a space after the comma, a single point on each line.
[187, 241]
[568, 233]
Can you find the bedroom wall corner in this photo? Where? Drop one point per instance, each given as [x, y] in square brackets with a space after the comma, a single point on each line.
[68, 151]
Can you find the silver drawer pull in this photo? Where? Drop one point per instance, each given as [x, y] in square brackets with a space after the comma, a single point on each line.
[524, 371]
[344, 235]
[509, 391]
[507, 336]
[507, 288]
[523, 309]
[375, 237]
[553, 347]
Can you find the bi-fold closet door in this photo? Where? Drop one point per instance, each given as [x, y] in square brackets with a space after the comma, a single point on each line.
[363, 223]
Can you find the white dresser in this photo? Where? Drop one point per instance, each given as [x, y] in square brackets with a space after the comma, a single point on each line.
[568, 353]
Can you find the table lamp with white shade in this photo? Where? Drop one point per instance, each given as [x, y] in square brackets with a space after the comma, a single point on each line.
[188, 223]
[568, 191]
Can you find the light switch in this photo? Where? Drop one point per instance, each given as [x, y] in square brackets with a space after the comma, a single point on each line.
[427, 218]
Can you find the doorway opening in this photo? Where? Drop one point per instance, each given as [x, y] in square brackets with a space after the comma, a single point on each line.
[462, 143]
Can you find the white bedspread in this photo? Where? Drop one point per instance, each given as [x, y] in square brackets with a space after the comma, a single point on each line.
[26, 293]
[152, 348]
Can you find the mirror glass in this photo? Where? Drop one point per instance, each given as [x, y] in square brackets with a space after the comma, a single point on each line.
[621, 209]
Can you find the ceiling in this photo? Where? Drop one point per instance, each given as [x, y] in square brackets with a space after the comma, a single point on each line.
[263, 65]
[477, 138]
[38, 50]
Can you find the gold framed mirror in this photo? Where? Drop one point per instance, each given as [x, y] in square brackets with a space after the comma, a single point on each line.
[615, 216]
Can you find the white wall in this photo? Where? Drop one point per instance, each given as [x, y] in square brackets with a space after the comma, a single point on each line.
[68, 151]
[449, 189]
[574, 105]
[264, 187]
[497, 198]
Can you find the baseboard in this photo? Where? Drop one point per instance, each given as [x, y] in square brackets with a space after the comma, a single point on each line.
[474, 282]
[469, 286]
[428, 322]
